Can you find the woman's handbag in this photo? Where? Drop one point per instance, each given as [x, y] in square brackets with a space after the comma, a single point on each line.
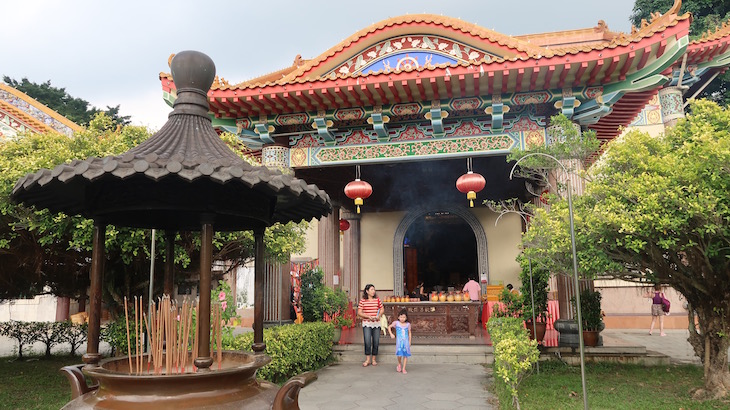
[665, 304]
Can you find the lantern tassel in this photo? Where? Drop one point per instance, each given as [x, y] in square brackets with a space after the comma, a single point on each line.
[358, 209]
[471, 204]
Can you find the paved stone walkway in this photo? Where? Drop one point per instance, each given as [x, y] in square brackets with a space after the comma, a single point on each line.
[431, 386]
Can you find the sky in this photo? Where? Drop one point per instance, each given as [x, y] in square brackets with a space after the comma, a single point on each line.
[111, 52]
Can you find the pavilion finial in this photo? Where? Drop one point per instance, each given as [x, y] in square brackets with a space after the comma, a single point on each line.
[193, 73]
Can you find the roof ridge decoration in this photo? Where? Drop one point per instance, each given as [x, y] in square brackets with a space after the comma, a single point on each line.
[32, 102]
[515, 49]
[26, 120]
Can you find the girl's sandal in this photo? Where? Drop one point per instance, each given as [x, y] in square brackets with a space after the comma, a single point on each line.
[397, 369]
[404, 371]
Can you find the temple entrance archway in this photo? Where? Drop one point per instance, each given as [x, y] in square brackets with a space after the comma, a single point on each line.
[413, 217]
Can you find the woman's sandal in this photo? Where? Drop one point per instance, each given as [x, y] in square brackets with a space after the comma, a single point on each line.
[365, 364]
[375, 363]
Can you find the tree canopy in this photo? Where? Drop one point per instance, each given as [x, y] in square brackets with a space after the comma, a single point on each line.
[657, 210]
[707, 15]
[40, 250]
[57, 99]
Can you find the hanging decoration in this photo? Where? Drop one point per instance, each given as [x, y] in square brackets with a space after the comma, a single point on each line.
[470, 183]
[344, 225]
[358, 190]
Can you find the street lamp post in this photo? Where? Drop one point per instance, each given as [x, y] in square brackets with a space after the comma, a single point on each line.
[575, 269]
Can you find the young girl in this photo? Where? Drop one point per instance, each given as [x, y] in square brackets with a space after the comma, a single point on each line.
[403, 342]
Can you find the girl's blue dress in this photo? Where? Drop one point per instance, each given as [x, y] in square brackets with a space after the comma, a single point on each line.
[402, 347]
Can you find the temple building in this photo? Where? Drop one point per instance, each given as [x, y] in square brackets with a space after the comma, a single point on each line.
[20, 113]
[412, 103]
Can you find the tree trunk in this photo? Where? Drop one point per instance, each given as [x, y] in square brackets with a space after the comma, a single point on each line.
[711, 343]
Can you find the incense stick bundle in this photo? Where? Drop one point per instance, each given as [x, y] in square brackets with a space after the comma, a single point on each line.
[129, 345]
[136, 336]
[196, 336]
[219, 336]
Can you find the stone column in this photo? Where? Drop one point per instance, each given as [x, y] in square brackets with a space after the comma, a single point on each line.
[328, 245]
[275, 156]
[671, 99]
[351, 258]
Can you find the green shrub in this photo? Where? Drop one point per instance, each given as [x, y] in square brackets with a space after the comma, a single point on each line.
[293, 349]
[49, 333]
[540, 284]
[511, 304]
[513, 360]
[23, 333]
[501, 328]
[75, 335]
[591, 315]
[115, 333]
[514, 352]
[312, 295]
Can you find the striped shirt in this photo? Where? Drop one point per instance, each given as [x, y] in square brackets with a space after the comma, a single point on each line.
[370, 307]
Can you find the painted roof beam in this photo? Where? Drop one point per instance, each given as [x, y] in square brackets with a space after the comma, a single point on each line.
[497, 111]
[592, 111]
[436, 116]
[378, 121]
[322, 125]
[264, 131]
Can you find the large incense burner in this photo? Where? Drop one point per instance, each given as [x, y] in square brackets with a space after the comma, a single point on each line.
[182, 178]
[234, 385]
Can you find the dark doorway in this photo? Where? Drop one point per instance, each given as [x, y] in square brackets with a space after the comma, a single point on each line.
[440, 251]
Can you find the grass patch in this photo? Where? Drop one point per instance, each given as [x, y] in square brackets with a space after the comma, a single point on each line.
[610, 386]
[34, 383]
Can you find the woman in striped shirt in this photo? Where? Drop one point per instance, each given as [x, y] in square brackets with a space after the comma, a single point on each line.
[369, 309]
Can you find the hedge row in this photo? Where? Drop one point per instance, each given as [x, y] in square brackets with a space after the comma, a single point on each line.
[514, 353]
[293, 349]
[49, 333]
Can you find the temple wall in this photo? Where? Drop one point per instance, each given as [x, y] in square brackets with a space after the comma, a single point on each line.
[377, 231]
[311, 243]
[503, 241]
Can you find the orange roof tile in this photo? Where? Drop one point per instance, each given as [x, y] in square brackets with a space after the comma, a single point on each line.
[35, 103]
[524, 49]
[27, 119]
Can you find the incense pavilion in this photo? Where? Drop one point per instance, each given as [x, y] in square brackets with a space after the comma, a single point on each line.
[404, 104]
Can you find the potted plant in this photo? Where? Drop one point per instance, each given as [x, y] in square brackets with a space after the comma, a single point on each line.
[540, 283]
[591, 315]
[334, 304]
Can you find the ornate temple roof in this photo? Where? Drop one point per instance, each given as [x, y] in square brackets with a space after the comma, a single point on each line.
[610, 73]
[20, 112]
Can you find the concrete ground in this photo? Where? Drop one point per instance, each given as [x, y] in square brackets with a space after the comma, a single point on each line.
[431, 386]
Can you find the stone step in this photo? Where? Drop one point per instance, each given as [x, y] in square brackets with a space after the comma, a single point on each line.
[421, 354]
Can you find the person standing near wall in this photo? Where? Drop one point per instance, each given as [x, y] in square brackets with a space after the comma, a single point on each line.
[656, 309]
[369, 309]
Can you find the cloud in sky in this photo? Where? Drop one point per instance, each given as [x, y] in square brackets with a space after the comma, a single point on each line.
[111, 53]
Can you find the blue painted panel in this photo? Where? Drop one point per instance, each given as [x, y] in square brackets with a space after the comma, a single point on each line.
[407, 60]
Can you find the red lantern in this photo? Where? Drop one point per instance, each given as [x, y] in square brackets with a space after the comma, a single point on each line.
[344, 225]
[358, 190]
[470, 183]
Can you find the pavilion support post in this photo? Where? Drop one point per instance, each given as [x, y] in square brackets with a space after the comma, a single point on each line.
[92, 356]
[169, 262]
[204, 359]
[258, 293]
[351, 256]
[328, 246]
